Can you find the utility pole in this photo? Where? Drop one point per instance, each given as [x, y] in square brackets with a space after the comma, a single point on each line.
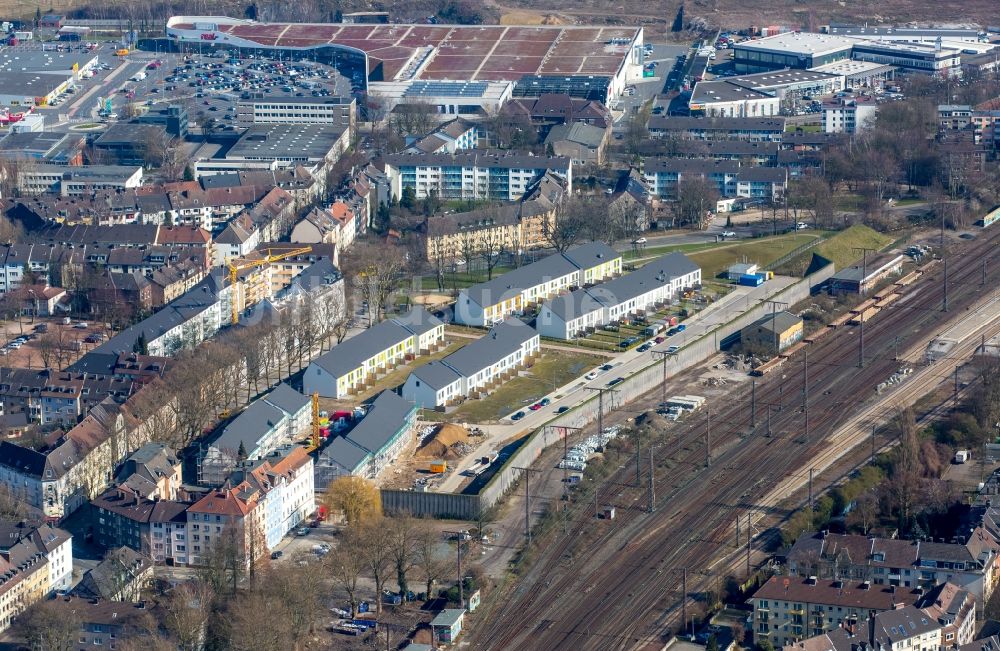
[749, 541]
[805, 388]
[684, 597]
[753, 403]
[635, 431]
[708, 437]
[652, 483]
[527, 499]
[600, 404]
[810, 489]
[663, 356]
[461, 591]
[944, 307]
[862, 291]
[565, 438]
[955, 395]
[874, 427]
[983, 282]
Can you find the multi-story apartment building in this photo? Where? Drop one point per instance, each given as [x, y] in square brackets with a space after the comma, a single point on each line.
[848, 115]
[75, 181]
[34, 561]
[472, 174]
[749, 129]
[900, 563]
[665, 175]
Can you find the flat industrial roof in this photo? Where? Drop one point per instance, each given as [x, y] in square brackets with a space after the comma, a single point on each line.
[849, 67]
[20, 60]
[799, 43]
[777, 78]
[467, 52]
[30, 84]
[266, 141]
[724, 91]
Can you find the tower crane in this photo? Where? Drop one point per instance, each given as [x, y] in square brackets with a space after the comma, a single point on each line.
[273, 255]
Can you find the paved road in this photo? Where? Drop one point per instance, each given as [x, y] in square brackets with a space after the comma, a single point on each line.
[625, 364]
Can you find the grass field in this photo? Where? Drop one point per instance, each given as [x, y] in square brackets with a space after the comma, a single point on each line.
[552, 370]
[763, 251]
[841, 247]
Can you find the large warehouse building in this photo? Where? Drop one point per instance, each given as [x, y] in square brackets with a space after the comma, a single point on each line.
[407, 53]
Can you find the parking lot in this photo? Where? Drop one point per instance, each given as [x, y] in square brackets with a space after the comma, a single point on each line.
[44, 341]
[210, 84]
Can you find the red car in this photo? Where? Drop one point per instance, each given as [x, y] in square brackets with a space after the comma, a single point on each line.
[660, 340]
[536, 406]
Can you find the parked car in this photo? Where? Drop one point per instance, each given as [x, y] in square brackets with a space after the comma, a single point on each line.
[276, 555]
[518, 416]
[660, 340]
[643, 348]
[681, 328]
[562, 410]
[728, 234]
[302, 531]
[673, 349]
[617, 380]
[544, 402]
[536, 406]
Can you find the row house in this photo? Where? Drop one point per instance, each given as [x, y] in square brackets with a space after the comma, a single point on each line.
[173, 281]
[51, 262]
[472, 174]
[371, 445]
[156, 528]
[584, 310]
[475, 369]
[35, 560]
[281, 416]
[512, 293]
[551, 109]
[335, 224]
[350, 366]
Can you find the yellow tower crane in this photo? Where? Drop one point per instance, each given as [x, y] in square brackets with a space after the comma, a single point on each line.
[314, 440]
[273, 255]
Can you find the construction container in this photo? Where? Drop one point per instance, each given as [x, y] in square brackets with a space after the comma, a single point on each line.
[751, 280]
[440, 465]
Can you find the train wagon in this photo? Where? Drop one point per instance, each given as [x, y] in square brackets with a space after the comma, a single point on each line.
[865, 316]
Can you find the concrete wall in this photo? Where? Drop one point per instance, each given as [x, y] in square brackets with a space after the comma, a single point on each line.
[439, 505]
[639, 384]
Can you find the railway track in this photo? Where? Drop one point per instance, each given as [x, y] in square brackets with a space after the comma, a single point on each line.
[622, 590]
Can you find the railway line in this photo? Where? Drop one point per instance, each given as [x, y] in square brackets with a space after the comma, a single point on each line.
[622, 590]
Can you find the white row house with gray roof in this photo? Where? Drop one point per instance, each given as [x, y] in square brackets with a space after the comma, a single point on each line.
[280, 417]
[495, 300]
[474, 369]
[350, 365]
[656, 283]
[373, 444]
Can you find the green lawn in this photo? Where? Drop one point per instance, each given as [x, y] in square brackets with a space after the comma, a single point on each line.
[843, 247]
[551, 370]
[763, 251]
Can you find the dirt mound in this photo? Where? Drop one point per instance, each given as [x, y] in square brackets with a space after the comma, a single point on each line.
[525, 17]
[440, 446]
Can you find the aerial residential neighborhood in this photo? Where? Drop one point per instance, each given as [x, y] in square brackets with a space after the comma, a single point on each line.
[535, 326]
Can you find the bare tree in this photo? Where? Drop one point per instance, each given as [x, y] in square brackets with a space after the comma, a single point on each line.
[695, 198]
[347, 564]
[185, 613]
[428, 554]
[402, 532]
[377, 270]
[570, 225]
[376, 550]
[48, 627]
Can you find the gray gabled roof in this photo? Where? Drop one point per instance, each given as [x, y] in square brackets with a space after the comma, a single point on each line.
[385, 418]
[504, 338]
[249, 427]
[352, 353]
[577, 132]
[778, 322]
[345, 454]
[286, 399]
[657, 273]
[418, 321]
[436, 375]
[554, 266]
